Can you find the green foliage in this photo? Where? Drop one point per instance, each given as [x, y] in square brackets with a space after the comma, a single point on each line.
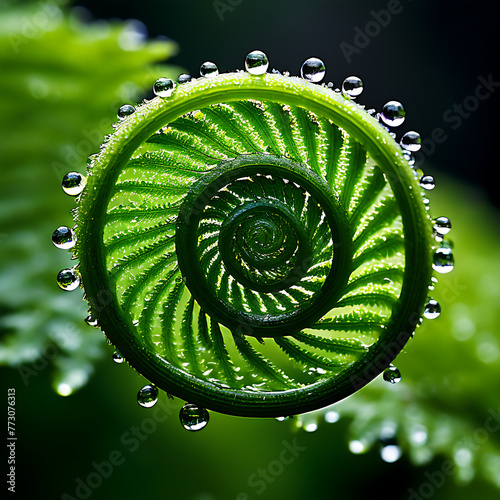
[62, 83]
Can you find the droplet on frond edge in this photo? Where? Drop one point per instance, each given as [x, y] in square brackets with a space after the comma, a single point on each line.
[393, 114]
[91, 321]
[411, 141]
[117, 358]
[163, 87]
[443, 261]
[64, 237]
[313, 70]
[125, 110]
[392, 375]
[352, 87]
[409, 158]
[256, 63]
[442, 225]
[184, 78]
[193, 418]
[147, 396]
[208, 69]
[432, 309]
[73, 183]
[427, 182]
[68, 280]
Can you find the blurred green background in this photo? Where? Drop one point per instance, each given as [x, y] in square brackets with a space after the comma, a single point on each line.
[64, 71]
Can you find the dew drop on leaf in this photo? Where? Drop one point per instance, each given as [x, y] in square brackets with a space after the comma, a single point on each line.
[393, 114]
[392, 375]
[193, 418]
[432, 309]
[313, 70]
[256, 63]
[428, 182]
[411, 141]
[443, 260]
[125, 110]
[163, 87]
[209, 69]
[64, 237]
[147, 396]
[442, 225]
[68, 280]
[73, 183]
[352, 87]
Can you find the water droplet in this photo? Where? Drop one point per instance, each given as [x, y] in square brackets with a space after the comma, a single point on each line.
[163, 87]
[256, 63]
[68, 280]
[443, 260]
[125, 110]
[392, 375]
[352, 87]
[64, 237]
[311, 427]
[409, 158]
[73, 183]
[427, 182]
[331, 417]
[184, 78]
[393, 114]
[442, 225]
[209, 69]
[432, 309]
[356, 447]
[193, 418]
[282, 419]
[313, 70]
[117, 358]
[147, 396]
[91, 321]
[411, 141]
[391, 453]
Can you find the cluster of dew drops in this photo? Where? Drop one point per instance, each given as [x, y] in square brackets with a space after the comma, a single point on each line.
[313, 70]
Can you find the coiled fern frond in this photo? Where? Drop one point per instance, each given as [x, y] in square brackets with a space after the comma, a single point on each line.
[254, 243]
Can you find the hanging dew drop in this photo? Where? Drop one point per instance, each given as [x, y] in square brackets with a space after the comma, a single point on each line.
[193, 418]
[432, 309]
[409, 158]
[68, 280]
[427, 182]
[91, 321]
[147, 396]
[313, 70]
[209, 69]
[352, 87]
[256, 63]
[117, 358]
[64, 237]
[163, 87]
[393, 114]
[125, 110]
[392, 375]
[443, 260]
[442, 225]
[411, 141]
[73, 183]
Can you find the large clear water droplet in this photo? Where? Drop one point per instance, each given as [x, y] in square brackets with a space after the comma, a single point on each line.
[432, 309]
[193, 418]
[68, 280]
[427, 182]
[91, 321]
[411, 141]
[392, 375]
[163, 87]
[443, 260]
[352, 87]
[125, 110]
[313, 70]
[442, 225]
[64, 237]
[393, 114]
[147, 396]
[73, 183]
[256, 63]
[209, 69]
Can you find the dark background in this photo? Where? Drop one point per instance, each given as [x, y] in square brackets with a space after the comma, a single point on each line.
[429, 55]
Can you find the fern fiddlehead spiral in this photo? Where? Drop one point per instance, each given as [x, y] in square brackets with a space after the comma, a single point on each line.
[262, 243]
